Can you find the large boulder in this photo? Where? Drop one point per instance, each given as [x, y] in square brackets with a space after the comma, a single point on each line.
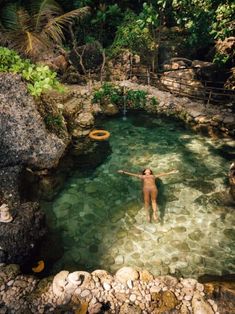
[182, 80]
[19, 237]
[24, 139]
[24, 142]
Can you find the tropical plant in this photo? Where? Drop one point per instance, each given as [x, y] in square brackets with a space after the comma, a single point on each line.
[131, 35]
[38, 77]
[35, 27]
[136, 99]
[107, 93]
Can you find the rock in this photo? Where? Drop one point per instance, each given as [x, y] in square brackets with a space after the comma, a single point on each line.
[199, 287]
[155, 289]
[145, 276]
[5, 215]
[75, 278]
[85, 120]
[95, 308]
[200, 306]
[59, 282]
[130, 309]
[129, 284]
[84, 277]
[132, 298]
[103, 276]
[126, 273]
[177, 81]
[231, 177]
[24, 138]
[85, 293]
[110, 109]
[184, 309]
[189, 283]
[229, 120]
[19, 237]
[166, 300]
[106, 286]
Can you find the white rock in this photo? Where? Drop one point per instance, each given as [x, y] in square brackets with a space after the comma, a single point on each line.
[10, 283]
[132, 297]
[189, 282]
[126, 273]
[200, 306]
[130, 284]
[188, 297]
[59, 282]
[75, 278]
[199, 287]
[85, 293]
[148, 297]
[106, 286]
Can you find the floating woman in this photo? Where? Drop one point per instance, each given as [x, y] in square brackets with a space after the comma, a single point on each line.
[150, 190]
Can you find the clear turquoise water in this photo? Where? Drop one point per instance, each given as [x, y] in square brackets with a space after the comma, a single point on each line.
[99, 214]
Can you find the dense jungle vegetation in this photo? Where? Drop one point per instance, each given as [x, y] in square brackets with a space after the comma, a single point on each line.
[33, 28]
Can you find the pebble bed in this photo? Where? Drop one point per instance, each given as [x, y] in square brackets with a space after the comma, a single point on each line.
[130, 291]
[100, 217]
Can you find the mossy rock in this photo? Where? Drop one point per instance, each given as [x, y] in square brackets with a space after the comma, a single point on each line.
[12, 270]
[165, 301]
[42, 287]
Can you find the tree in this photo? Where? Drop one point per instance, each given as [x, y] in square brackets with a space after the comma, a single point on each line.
[35, 28]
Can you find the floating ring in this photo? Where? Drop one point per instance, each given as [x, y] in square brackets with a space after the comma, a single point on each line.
[39, 267]
[99, 135]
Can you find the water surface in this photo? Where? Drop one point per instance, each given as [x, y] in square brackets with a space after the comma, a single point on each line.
[100, 218]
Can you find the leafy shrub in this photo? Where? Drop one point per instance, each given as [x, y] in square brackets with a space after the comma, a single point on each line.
[136, 98]
[107, 93]
[54, 122]
[131, 35]
[154, 101]
[39, 77]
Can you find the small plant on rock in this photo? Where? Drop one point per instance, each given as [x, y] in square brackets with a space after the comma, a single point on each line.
[136, 99]
[107, 93]
[39, 77]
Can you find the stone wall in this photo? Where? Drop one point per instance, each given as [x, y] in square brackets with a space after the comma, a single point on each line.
[129, 291]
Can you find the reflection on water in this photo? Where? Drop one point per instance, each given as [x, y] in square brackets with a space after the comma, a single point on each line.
[100, 216]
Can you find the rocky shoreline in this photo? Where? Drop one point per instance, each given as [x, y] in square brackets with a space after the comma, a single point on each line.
[129, 291]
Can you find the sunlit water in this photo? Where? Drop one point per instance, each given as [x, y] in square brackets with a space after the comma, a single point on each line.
[100, 216]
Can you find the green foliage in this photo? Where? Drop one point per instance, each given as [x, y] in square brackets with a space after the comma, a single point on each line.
[54, 122]
[136, 99]
[221, 58]
[133, 36]
[107, 93]
[39, 77]
[154, 101]
[223, 25]
[34, 27]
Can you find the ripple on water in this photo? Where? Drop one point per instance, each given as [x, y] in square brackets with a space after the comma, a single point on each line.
[101, 217]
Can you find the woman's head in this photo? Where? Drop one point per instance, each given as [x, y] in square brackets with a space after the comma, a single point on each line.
[147, 171]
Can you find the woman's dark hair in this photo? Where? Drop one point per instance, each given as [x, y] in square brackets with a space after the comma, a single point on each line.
[143, 172]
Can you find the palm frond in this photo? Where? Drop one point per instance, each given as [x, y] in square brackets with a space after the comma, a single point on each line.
[54, 28]
[43, 10]
[15, 18]
[27, 43]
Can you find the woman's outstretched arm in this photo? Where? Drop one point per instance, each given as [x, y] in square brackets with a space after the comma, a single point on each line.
[130, 173]
[166, 173]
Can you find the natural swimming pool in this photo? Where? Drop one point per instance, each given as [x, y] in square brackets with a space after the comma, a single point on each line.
[100, 218]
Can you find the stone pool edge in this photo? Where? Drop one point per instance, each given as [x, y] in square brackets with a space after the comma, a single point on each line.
[130, 290]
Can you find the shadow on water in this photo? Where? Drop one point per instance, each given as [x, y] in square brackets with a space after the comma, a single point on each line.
[93, 207]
